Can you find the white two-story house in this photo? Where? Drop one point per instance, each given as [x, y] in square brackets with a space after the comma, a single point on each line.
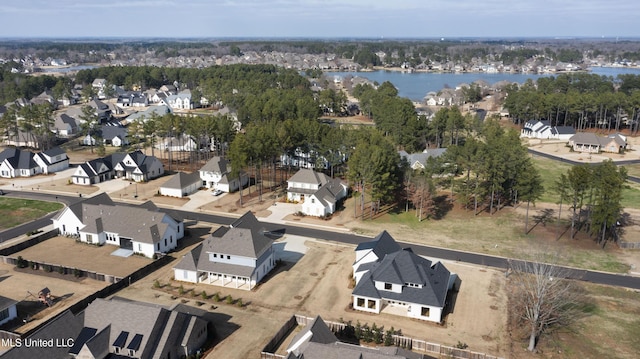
[239, 258]
[390, 277]
[216, 174]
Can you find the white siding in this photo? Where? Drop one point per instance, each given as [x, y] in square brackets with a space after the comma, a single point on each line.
[185, 275]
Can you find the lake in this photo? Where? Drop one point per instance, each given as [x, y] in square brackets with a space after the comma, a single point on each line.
[415, 85]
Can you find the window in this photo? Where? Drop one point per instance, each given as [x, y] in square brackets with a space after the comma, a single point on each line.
[424, 312]
[165, 242]
[4, 314]
[371, 304]
[215, 255]
[139, 247]
[185, 274]
[387, 286]
[89, 238]
[228, 257]
[313, 200]
[360, 302]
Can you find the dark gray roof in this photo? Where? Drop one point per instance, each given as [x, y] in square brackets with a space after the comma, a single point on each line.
[422, 157]
[6, 303]
[404, 267]
[315, 332]
[61, 328]
[381, 245]
[565, 130]
[110, 132]
[181, 180]
[18, 159]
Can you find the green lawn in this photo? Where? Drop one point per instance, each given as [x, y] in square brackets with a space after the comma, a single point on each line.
[550, 171]
[633, 170]
[15, 211]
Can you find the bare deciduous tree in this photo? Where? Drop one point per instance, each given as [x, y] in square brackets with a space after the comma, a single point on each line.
[542, 296]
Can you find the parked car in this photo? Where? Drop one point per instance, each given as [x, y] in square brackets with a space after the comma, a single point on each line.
[217, 192]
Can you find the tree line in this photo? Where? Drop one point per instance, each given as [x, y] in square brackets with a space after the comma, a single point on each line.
[579, 100]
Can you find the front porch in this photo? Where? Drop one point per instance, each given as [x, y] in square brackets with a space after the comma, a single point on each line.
[225, 280]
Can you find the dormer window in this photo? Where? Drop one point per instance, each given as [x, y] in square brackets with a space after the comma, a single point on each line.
[388, 286]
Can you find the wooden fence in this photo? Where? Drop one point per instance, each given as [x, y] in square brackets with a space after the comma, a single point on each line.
[629, 245]
[415, 345]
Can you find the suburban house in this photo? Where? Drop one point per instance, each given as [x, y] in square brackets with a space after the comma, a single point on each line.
[309, 159]
[99, 86]
[418, 161]
[544, 130]
[181, 185]
[52, 160]
[132, 99]
[317, 341]
[135, 166]
[216, 174]
[118, 328]
[182, 143]
[149, 113]
[142, 229]
[8, 310]
[318, 192]
[115, 136]
[591, 143]
[65, 125]
[398, 278]
[180, 101]
[101, 109]
[15, 162]
[239, 256]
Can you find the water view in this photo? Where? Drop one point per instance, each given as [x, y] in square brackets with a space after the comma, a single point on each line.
[417, 84]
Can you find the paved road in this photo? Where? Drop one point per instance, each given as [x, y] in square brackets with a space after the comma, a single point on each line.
[571, 162]
[349, 238]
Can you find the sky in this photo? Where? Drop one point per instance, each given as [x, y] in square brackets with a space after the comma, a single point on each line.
[319, 18]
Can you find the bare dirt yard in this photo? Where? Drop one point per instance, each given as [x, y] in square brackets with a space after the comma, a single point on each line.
[23, 286]
[319, 284]
[85, 256]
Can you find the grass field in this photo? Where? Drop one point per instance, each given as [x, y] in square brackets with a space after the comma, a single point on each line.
[15, 211]
[501, 235]
[551, 170]
[608, 327]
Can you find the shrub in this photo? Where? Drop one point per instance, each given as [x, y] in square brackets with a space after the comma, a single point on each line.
[239, 302]
[204, 295]
[22, 263]
[33, 265]
[461, 345]
[48, 268]
[181, 290]
[61, 270]
[216, 297]
[77, 272]
[156, 284]
[229, 299]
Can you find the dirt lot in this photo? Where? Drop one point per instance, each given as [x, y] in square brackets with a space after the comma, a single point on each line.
[318, 284]
[18, 286]
[89, 257]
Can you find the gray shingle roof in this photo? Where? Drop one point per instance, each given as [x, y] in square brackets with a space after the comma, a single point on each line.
[315, 332]
[239, 241]
[404, 267]
[306, 175]
[18, 159]
[381, 245]
[217, 164]
[181, 180]
[6, 303]
[139, 224]
[190, 260]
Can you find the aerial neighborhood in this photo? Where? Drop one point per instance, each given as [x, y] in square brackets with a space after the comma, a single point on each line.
[243, 200]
